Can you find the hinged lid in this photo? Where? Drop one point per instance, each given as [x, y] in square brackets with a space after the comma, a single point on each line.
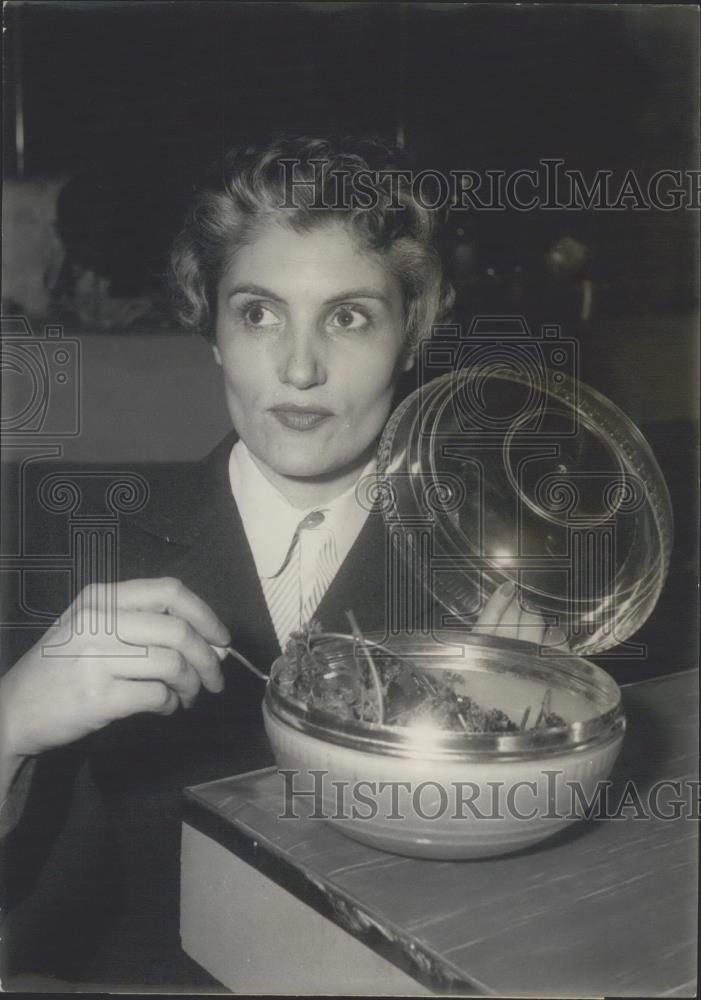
[543, 482]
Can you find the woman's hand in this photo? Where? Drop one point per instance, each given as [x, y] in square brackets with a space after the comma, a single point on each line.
[83, 674]
[504, 616]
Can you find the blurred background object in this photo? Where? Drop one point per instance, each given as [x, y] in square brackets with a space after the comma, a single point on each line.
[34, 252]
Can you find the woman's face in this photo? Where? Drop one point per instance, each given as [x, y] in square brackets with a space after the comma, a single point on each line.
[311, 340]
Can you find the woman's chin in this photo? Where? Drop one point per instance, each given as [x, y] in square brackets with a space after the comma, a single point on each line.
[309, 483]
[311, 470]
[314, 466]
[321, 461]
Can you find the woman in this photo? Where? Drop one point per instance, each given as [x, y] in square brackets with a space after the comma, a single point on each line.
[313, 314]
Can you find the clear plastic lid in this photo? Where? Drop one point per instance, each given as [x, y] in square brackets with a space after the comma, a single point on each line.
[541, 482]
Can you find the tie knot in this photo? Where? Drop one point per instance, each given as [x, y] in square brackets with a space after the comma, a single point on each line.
[312, 520]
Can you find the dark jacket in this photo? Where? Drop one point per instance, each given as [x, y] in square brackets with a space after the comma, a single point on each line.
[123, 911]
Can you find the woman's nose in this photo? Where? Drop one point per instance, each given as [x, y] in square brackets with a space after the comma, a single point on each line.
[301, 364]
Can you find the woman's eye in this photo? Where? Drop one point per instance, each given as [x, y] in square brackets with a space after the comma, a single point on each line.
[259, 315]
[348, 318]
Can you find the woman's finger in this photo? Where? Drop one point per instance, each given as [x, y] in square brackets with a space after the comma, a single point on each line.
[555, 637]
[518, 622]
[494, 609]
[531, 627]
[510, 621]
[504, 615]
[132, 697]
[142, 628]
[171, 668]
[165, 595]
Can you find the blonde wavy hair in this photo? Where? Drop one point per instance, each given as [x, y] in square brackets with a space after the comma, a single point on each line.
[249, 188]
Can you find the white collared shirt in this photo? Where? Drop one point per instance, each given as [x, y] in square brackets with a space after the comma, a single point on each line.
[270, 523]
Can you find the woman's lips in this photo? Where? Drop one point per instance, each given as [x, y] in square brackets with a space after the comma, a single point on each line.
[299, 418]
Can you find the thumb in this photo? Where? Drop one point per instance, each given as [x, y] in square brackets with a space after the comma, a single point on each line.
[556, 638]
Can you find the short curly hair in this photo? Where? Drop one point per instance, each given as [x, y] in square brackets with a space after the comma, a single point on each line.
[249, 187]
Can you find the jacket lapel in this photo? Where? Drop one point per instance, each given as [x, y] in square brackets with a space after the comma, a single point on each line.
[209, 551]
[360, 584]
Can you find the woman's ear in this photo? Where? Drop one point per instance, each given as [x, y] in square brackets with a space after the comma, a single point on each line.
[409, 359]
[217, 355]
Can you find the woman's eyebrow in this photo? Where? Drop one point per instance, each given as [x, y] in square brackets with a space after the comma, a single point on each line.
[247, 289]
[266, 293]
[356, 293]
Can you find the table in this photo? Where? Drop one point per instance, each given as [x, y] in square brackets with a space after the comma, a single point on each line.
[605, 907]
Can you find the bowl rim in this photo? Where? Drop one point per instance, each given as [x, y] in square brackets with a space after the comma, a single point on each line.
[574, 673]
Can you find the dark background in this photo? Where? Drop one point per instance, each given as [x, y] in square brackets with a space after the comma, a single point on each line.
[172, 83]
[137, 98]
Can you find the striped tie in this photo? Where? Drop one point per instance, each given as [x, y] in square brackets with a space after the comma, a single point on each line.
[294, 593]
